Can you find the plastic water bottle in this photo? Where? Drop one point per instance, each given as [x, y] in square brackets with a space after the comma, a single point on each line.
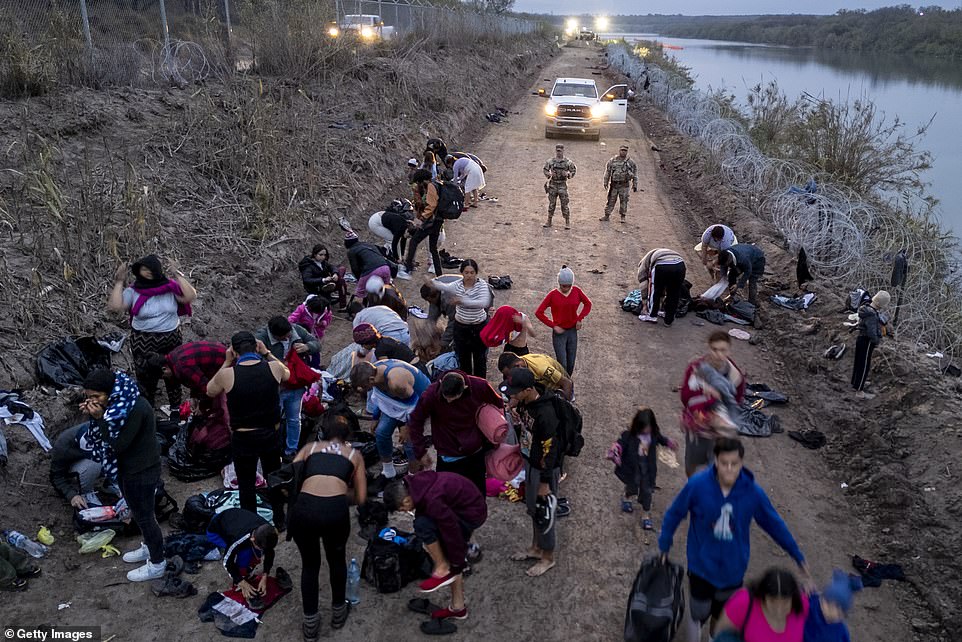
[354, 583]
[23, 542]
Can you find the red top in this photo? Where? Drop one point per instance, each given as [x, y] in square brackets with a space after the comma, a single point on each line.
[564, 309]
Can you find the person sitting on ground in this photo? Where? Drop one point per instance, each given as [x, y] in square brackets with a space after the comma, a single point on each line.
[395, 388]
[569, 307]
[661, 275]
[871, 327]
[451, 404]
[442, 304]
[375, 347]
[250, 378]
[743, 263]
[715, 239]
[324, 472]
[379, 293]
[281, 338]
[192, 365]
[366, 261]
[721, 502]
[448, 509]
[73, 470]
[245, 539]
[827, 612]
[16, 568]
[314, 315]
[123, 438]
[699, 419]
[155, 305]
[548, 373]
[386, 321]
[638, 469]
[771, 609]
[539, 431]
[320, 277]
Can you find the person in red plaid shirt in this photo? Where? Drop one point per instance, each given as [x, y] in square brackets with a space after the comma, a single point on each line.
[192, 365]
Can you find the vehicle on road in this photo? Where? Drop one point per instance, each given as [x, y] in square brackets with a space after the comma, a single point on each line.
[575, 107]
[366, 26]
[586, 34]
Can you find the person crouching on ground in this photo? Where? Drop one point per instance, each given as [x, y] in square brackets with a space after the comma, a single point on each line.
[539, 429]
[123, 438]
[638, 466]
[448, 509]
[245, 539]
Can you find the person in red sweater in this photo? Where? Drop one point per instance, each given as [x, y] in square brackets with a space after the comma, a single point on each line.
[569, 306]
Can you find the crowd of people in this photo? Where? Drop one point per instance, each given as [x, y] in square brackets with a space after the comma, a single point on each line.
[416, 369]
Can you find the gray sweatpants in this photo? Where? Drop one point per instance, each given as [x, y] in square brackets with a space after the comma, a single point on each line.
[88, 472]
[566, 348]
[546, 541]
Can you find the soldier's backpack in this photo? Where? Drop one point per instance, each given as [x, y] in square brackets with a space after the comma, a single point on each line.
[450, 200]
[572, 440]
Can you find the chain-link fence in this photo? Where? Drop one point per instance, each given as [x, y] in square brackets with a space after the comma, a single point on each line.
[48, 42]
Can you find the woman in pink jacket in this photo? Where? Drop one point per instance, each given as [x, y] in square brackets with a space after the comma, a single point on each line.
[314, 315]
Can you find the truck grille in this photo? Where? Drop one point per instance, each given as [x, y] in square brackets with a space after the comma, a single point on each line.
[573, 111]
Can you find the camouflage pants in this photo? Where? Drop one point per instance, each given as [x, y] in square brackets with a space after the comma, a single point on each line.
[616, 192]
[554, 193]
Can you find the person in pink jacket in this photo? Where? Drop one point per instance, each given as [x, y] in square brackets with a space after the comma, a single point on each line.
[314, 315]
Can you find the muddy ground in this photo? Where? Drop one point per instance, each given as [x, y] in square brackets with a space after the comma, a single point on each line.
[886, 458]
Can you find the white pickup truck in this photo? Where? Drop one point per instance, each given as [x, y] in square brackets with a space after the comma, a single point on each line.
[367, 26]
[575, 107]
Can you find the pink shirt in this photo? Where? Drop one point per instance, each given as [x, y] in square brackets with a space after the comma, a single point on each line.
[758, 629]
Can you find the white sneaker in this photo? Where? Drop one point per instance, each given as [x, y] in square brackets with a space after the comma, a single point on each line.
[861, 394]
[645, 317]
[403, 274]
[661, 313]
[137, 555]
[147, 572]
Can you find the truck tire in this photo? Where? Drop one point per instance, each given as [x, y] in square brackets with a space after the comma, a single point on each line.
[548, 134]
[595, 136]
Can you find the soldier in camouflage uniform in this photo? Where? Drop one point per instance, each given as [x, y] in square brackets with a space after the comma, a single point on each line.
[558, 170]
[619, 171]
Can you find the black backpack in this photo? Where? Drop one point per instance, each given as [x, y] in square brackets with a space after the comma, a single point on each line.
[195, 517]
[570, 429]
[390, 566]
[656, 604]
[450, 200]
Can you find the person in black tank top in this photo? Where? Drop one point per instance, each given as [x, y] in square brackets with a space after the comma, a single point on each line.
[315, 519]
[253, 403]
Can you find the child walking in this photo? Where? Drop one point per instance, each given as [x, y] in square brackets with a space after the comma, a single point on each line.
[569, 306]
[635, 455]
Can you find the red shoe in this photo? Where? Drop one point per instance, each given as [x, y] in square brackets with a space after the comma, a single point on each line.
[434, 583]
[448, 613]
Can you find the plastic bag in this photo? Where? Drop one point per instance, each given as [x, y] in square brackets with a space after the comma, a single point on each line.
[716, 290]
[95, 540]
[67, 362]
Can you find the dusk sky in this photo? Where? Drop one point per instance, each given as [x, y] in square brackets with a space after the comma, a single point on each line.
[709, 7]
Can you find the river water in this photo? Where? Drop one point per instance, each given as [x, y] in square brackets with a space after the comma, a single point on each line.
[914, 88]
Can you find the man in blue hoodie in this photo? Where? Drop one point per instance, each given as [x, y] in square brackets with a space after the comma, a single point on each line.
[721, 502]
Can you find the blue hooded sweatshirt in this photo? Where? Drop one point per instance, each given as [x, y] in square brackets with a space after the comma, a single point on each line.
[818, 630]
[719, 544]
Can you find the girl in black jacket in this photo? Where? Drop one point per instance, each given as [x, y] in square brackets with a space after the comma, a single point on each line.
[636, 461]
[319, 276]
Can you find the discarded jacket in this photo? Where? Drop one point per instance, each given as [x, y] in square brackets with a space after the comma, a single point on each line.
[67, 362]
[796, 303]
[811, 439]
[756, 391]
[632, 302]
[656, 604]
[755, 423]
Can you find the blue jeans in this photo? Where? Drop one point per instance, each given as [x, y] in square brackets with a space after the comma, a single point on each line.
[566, 348]
[291, 411]
[384, 438]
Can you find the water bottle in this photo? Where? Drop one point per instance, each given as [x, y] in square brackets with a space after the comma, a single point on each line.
[23, 542]
[354, 583]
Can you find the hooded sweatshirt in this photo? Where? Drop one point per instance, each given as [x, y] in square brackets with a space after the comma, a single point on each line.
[449, 499]
[719, 544]
[817, 629]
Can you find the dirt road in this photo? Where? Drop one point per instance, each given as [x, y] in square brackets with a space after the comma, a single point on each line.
[622, 363]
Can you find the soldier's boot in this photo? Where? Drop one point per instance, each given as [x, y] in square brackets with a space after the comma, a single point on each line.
[623, 220]
[548, 224]
[606, 217]
[567, 223]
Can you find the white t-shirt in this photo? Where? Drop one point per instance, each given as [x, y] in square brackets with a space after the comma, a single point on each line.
[158, 314]
[727, 240]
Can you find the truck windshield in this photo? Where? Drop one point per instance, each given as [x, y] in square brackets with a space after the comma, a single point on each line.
[573, 89]
[358, 20]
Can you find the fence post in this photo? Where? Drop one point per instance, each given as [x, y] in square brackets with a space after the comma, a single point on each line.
[86, 25]
[227, 20]
[163, 21]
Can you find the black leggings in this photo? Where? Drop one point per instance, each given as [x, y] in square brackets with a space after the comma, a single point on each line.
[863, 361]
[139, 490]
[312, 520]
[247, 447]
[470, 348]
[668, 280]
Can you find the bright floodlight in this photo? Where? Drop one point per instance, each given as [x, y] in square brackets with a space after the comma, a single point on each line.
[572, 23]
[601, 23]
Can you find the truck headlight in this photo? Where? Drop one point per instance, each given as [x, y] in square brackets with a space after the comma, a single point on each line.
[595, 111]
[333, 32]
[366, 32]
[551, 109]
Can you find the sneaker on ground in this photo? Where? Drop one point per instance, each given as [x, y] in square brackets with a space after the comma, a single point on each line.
[626, 506]
[647, 524]
[449, 613]
[645, 317]
[546, 512]
[563, 510]
[377, 486]
[474, 553]
[434, 583]
[861, 394]
[137, 555]
[148, 571]
[661, 313]
[403, 274]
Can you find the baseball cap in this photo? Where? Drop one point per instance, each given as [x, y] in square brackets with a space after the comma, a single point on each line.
[559, 146]
[518, 379]
[623, 147]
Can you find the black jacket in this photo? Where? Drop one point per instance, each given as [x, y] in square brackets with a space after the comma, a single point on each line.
[136, 446]
[66, 452]
[870, 323]
[364, 258]
[633, 471]
[540, 424]
[313, 275]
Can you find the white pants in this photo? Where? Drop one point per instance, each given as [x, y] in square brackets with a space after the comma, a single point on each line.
[374, 225]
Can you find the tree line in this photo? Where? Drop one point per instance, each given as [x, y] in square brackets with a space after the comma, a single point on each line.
[930, 31]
